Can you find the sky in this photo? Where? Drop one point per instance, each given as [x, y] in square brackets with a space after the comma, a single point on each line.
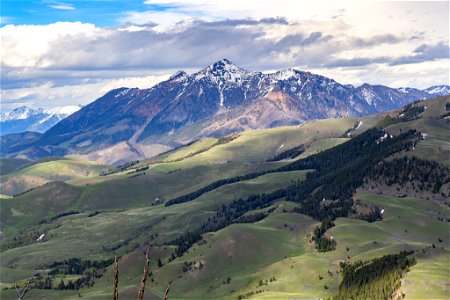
[57, 53]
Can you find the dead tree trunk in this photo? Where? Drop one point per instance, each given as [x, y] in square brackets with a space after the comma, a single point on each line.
[166, 295]
[23, 291]
[144, 276]
[116, 279]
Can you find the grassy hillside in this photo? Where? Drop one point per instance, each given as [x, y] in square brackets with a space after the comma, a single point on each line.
[272, 256]
[433, 123]
[8, 165]
[279, 247]
[34, 174]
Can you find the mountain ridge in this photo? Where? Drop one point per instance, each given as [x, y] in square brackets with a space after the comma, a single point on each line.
[24, 118]
[217, 100]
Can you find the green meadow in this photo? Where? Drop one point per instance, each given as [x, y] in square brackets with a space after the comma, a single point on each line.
[85, 215]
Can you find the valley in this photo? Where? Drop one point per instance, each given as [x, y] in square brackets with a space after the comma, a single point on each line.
[263, 202]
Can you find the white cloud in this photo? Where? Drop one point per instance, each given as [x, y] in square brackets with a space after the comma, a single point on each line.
[364, 17]
[62, 6]
[76, 94]
[354, 42]
[421, 75]
[25, 45]
[164, 20]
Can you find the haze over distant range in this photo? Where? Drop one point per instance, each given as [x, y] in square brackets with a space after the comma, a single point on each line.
[70, 53]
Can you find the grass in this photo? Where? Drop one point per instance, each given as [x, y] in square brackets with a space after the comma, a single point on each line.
[436, 146]
[189, 150]
[9, 165]
[41, 172]
[277, 246]
[108, 229]
[429, 278]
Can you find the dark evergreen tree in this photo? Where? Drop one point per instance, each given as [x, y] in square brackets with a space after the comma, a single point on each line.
[160, 264]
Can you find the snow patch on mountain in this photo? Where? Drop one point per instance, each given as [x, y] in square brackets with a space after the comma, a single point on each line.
[28, 119]
[224, 72]
[20, 113]
[64, 110]
[24, 112]
[438, 90]
[284, 74]
[218, 100]
[368, 94]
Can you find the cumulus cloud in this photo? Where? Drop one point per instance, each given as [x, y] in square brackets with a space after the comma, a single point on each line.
[425, 52]
[85, 47]
[74, 61]
[79, 93]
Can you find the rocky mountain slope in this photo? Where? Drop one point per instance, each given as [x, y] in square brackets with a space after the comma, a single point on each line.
[218, 100]
[28, 119]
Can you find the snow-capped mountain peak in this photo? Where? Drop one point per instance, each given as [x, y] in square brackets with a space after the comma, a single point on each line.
[438, 90]
[224, 71]
[285, 74]
[24, 118]
[223, 66]
[64, 110]
[218, 100]
[20, 113]
[178, 76]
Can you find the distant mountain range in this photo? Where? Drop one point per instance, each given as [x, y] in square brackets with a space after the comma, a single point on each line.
[28, 119]
[218, 100]
[438, 90]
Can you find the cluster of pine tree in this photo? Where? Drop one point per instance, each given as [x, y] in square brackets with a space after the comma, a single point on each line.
[323, 243]
[411, 112]
[430, 175]
[76, 266]
[251, 218]
[185, 241]
[338, 172]
[212, 186]
[120, 168]
[365, 211]
[71, 285]
[226, 215]
[39, 282]
[228, 138]
[378, 278]
[58, 216]
[323, 162]
[290, 153]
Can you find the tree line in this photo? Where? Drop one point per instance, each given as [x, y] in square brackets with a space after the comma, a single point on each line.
[290, 153]
[338, 172]
[429, 174]
[378, 278]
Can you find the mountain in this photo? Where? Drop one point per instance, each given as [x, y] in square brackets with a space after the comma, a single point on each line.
[438, 90]
[28, 119]
[218, 100]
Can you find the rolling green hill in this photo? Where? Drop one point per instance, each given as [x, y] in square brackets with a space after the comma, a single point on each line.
[250, 237]
[8, 165]
[25, 176]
